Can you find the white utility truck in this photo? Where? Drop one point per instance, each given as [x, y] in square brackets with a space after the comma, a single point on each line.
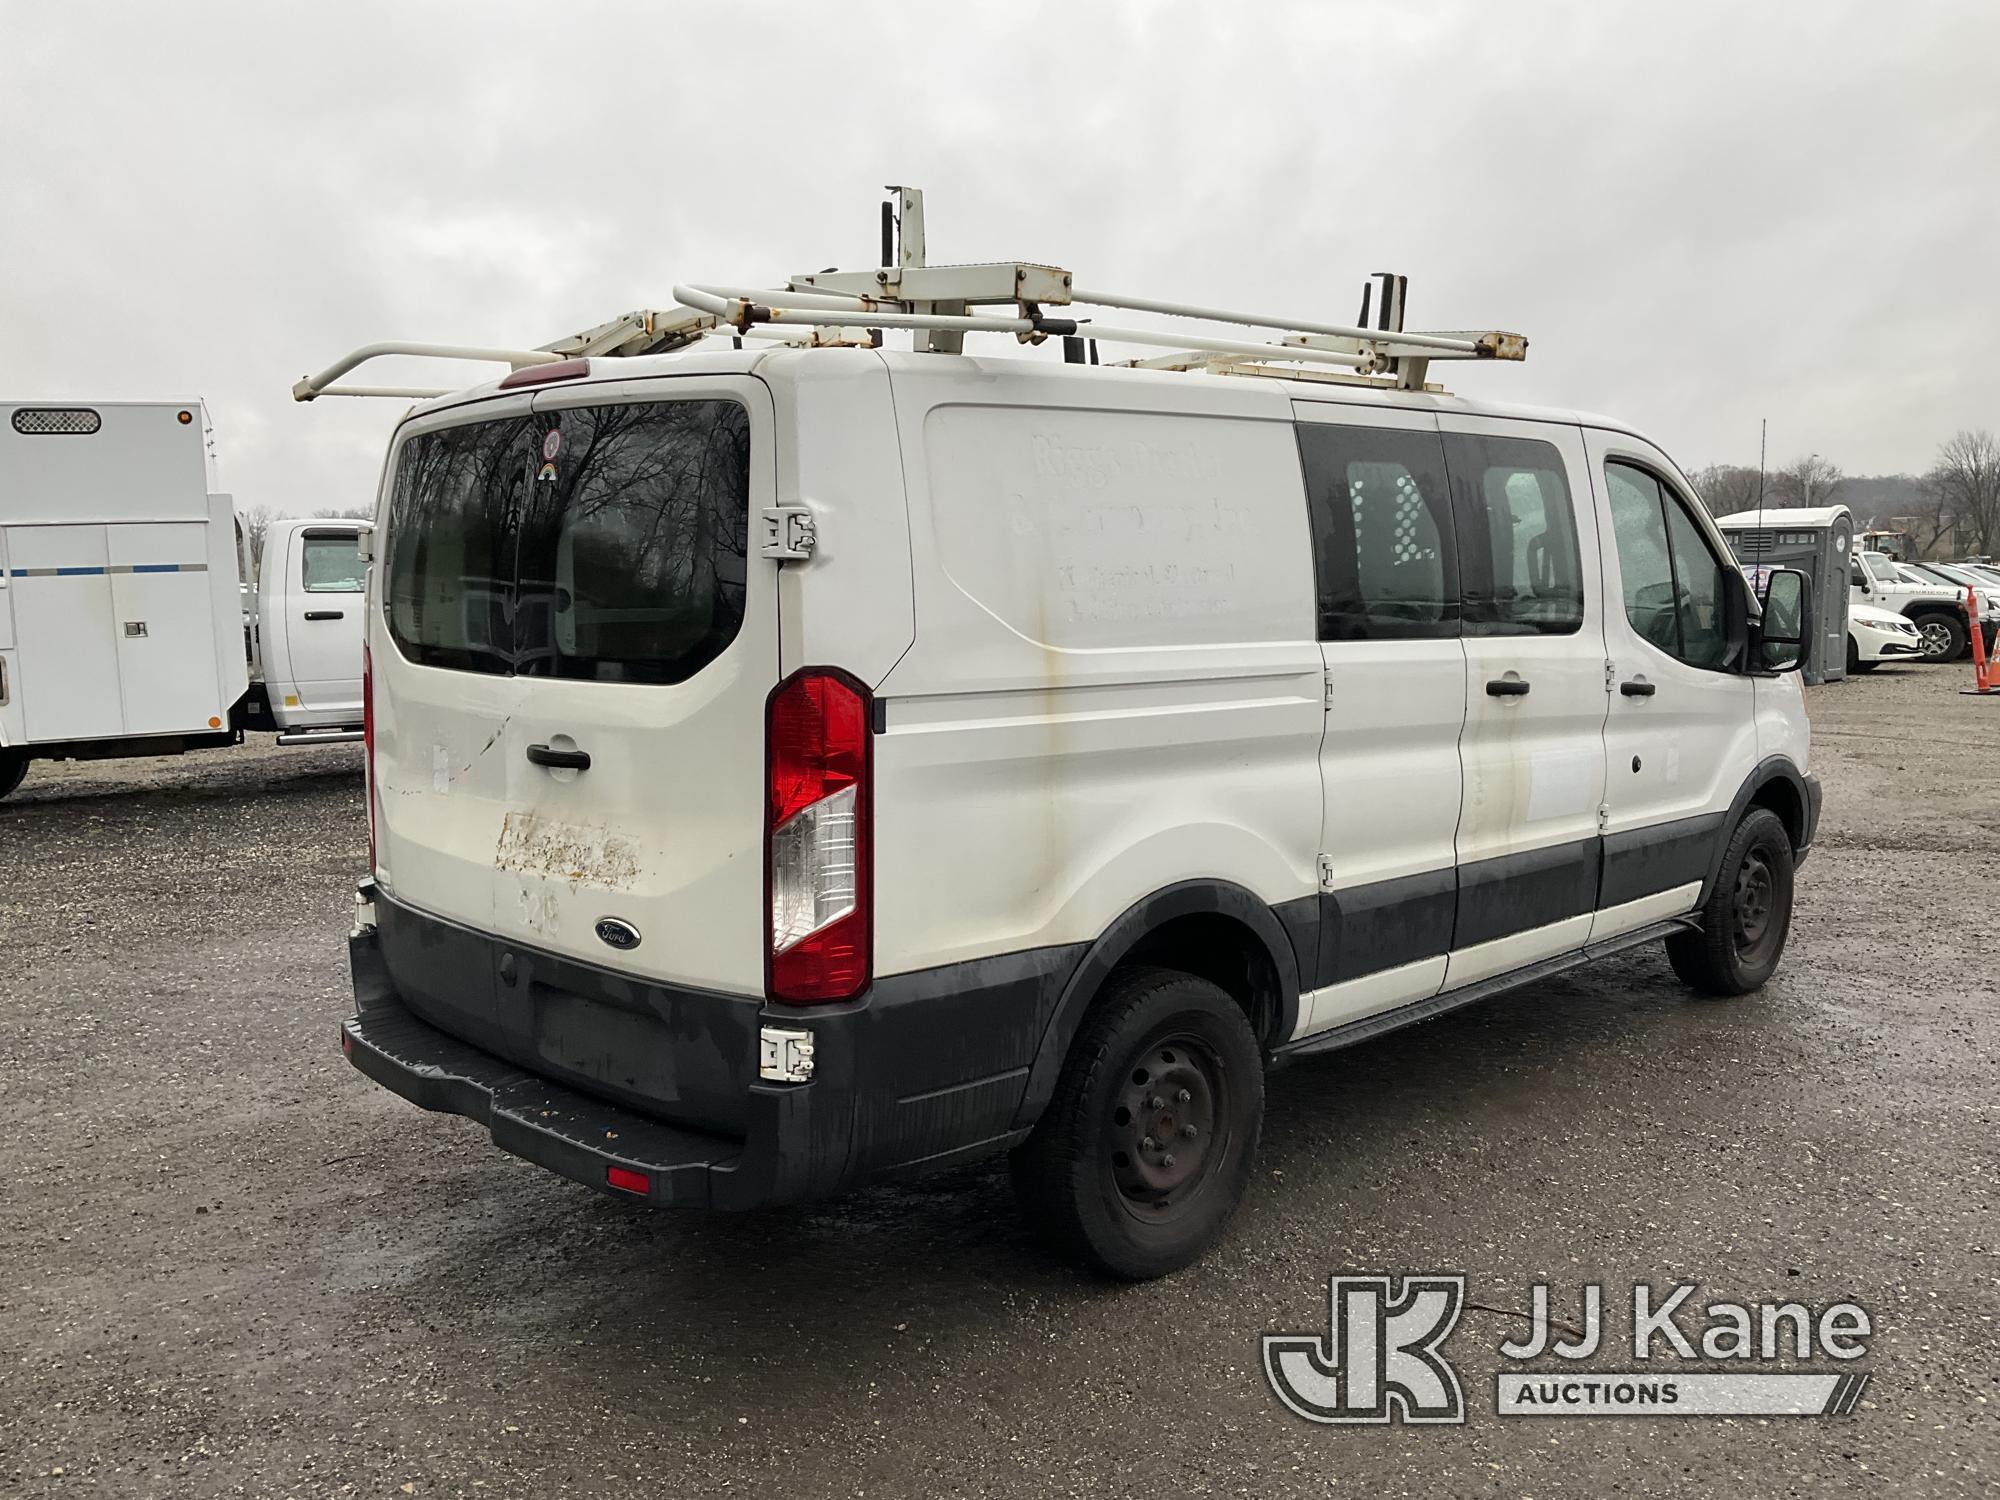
[124, 626]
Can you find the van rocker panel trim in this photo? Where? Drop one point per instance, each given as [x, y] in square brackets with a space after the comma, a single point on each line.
[1370, 1027]
[1645, 861]
[1386, 924]
[1516, 893]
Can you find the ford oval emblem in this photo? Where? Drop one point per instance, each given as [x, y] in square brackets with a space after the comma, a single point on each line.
[620, 935]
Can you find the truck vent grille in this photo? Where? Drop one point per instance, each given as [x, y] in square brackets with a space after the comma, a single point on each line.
[43, 421]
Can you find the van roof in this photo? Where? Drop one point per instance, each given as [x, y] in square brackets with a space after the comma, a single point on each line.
[1225, 394]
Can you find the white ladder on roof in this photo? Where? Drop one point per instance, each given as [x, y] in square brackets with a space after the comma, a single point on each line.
[939, 306]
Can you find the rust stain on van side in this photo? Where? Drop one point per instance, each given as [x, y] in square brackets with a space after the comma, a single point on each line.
[579, 853]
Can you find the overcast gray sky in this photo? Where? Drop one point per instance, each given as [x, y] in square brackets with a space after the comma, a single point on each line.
[1699, 213]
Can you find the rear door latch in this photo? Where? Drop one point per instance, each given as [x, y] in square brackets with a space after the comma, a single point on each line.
[789, 533]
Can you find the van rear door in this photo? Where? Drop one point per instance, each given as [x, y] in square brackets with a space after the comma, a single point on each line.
[582, 649]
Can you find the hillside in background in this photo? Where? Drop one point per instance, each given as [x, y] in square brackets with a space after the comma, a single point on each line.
[1875, 498]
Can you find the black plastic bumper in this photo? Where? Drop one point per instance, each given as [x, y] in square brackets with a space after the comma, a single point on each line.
[582, 1070]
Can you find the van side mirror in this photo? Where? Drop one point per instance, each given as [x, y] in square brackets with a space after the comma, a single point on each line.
[1783, 632]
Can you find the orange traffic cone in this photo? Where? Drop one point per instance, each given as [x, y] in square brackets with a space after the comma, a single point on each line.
[1985, 674]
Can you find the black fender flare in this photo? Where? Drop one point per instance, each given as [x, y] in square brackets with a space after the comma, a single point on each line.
[1771, 768]
[1188, 898]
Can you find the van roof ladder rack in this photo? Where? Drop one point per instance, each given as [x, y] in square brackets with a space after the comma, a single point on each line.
[937, 304]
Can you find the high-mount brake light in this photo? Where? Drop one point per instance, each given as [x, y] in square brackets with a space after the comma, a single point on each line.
[819, 876]
[562, 369]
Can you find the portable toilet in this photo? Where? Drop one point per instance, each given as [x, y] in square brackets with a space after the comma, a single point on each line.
[1819, 541]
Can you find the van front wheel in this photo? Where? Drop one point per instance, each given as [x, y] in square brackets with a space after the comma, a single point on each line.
[13, 766]
[1146, 1148]
[1747, 916]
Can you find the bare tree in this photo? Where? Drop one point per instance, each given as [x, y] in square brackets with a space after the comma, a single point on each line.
[256, 521]
[346, 513]
[1965, 486]
[1807, 481]
[1727, 488]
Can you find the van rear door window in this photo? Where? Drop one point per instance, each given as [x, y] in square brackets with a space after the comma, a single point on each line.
[606, 543]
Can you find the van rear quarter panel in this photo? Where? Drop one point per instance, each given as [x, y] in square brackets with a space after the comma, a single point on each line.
[837, 454]
[1114, 684]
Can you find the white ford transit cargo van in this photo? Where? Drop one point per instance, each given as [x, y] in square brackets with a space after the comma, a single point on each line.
[794, 765]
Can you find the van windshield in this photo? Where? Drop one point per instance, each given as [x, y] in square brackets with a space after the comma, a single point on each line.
[597, 542]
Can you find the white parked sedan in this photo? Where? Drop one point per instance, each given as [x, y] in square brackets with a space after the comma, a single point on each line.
[1878, 635]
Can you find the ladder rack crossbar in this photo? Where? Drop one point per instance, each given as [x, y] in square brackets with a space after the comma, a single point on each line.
[1429, 341]
[744, 312]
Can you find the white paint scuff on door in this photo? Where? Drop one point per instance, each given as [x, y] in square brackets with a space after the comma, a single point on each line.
[578, 853]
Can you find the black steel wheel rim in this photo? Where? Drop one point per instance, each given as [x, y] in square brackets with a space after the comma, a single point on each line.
[1167, 1127]
[1755, 906]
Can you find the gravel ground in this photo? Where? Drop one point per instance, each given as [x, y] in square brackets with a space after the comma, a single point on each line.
[234, 1267]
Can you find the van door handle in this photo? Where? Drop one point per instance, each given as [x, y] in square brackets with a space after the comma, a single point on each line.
[326, 614]
[1506, 687]
[559, 760]
[1636, 689]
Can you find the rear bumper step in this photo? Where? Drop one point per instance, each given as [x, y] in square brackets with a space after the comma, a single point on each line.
[924, 1069]
[579, 1137]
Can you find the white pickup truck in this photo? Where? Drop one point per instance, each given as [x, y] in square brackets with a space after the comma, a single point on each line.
[126, 627]
[1937, 610]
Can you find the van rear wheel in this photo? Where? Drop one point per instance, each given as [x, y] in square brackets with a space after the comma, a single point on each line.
[1747, 917]
[13, 766]
[1145, 1150]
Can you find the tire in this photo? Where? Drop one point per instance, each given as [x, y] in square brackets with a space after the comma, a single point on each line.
[1944, 636]
[1864, 666]
[13, 766]
[1747, 917]
[1162, 1060]
[1853, 657]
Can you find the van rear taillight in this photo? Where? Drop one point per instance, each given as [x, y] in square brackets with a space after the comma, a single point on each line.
[818, 875]
[368, 742]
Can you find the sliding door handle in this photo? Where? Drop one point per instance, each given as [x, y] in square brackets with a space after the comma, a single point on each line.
[559, 760]
[326, 614]
[1636, 689]
[1506, 687]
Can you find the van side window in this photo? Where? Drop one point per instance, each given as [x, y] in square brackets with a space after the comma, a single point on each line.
[1383, 552]
[332, 563]
[1523, 574]
[1675, 588]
